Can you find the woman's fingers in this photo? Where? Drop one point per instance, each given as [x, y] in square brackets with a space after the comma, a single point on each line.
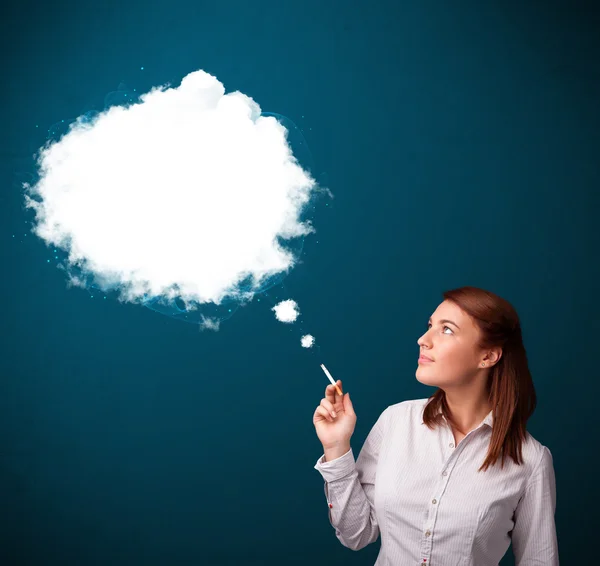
[328, 406]
[331, 393]
[324, 413]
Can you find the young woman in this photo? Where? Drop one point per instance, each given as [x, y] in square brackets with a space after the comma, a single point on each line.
[451, 479]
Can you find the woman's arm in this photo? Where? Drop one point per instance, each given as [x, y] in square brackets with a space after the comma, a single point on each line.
[534, 538]
[349, 490]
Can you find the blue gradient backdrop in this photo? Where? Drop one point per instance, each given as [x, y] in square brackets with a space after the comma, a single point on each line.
[461, 141]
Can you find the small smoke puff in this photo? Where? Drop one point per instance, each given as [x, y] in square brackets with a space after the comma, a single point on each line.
[286, 311]
[209, 323]
[307, 341]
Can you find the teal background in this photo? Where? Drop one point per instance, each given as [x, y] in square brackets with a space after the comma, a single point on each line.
[461, 143]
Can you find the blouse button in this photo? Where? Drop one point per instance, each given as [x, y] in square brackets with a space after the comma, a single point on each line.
[427, 533]
[452, 445]
[444, 473]
[434, 501]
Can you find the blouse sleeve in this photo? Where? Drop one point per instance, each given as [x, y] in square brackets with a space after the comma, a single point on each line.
[349, 490]
[534, 538]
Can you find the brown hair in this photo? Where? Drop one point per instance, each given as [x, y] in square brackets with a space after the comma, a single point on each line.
[510, 387]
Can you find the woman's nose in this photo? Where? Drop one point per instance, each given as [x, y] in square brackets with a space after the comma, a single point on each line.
[424, 340]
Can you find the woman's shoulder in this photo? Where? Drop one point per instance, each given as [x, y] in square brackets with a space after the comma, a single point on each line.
[535, 454]
[407, 409]
[407, 404]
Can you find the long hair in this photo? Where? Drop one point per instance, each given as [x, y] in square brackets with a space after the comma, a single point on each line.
[509, 387]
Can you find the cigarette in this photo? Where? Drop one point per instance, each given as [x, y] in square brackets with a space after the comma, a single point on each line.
[331, 379]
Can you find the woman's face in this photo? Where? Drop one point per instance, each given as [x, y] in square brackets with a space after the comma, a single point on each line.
[451, 341]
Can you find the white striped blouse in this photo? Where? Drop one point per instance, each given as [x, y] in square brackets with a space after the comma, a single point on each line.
[425, 497]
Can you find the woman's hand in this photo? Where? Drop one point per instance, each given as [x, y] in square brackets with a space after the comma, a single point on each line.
[335, 430]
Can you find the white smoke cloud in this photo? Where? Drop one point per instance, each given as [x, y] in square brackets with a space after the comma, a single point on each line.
[182, 194]
[307, 341]
[286, 311]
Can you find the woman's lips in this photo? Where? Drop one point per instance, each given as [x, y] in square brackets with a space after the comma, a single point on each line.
[425, 360]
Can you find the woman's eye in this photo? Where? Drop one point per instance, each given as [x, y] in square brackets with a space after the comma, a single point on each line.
[450, 329]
